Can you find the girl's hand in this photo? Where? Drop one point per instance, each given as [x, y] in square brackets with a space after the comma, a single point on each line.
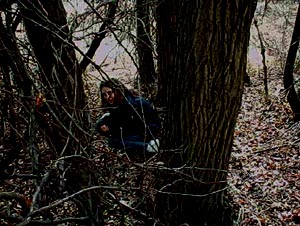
[104, 128]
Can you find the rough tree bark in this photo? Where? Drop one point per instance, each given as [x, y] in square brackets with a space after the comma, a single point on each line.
[202, 47]
[144, 45]
[62, 115]
[288, 77]
[14, 75]
[47, 31]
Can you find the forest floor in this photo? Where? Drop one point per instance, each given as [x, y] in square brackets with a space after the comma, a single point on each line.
[264, 174]
[265, 164]
[264, 171]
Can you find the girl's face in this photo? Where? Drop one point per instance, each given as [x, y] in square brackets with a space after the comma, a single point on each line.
[108, 95]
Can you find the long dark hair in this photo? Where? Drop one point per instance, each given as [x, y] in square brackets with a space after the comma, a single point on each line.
[118, 88]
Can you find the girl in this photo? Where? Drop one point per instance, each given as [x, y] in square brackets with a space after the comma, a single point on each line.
[130, 122]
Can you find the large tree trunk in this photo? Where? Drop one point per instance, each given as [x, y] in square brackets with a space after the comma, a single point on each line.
[62, 115]
[48, 33]
[288, 76]
[202, 48]
[15, 75]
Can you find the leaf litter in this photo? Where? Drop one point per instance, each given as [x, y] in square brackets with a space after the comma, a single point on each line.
[264, 168]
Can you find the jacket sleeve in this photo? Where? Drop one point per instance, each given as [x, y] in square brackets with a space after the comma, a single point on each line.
[103, 120]
[151, 117]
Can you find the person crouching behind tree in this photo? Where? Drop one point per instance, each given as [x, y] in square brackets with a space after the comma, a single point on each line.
[130, 122]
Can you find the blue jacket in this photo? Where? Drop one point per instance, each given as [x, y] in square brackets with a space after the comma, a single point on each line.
[133, 117]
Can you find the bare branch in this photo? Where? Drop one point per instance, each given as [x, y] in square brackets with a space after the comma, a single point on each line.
[101, 34]
[18, 197]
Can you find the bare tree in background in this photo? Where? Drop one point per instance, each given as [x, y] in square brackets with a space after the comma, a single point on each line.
[288, 76]
[144, 44]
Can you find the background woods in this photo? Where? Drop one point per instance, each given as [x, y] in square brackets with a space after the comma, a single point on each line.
[228, 149]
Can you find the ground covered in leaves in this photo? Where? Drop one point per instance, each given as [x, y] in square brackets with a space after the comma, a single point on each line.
[263, 178]
[265, 164]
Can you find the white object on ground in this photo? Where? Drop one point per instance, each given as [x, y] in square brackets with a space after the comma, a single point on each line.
[153, 145]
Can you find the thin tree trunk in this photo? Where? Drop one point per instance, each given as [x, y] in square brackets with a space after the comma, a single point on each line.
[14, 74]
[263, 54]
[101, 35]
[288, 77]
[144, 46]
